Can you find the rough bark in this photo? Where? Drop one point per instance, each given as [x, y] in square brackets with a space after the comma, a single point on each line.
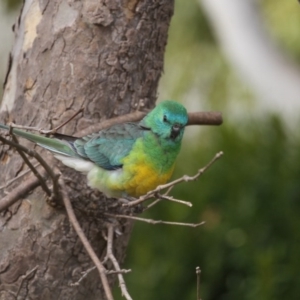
[104, 56]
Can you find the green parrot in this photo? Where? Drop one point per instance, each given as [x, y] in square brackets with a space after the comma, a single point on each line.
[125, 160]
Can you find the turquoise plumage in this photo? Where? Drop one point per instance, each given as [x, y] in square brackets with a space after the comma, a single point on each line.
[126, 159]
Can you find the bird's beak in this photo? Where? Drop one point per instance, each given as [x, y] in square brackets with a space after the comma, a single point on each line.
[176, 128]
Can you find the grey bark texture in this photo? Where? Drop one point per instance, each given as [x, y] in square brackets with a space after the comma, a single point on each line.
[105, 56]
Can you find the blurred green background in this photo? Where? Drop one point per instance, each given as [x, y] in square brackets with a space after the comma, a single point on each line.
[249, 247]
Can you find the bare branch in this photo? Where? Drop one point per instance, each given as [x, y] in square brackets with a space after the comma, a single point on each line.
[205, 118]
[19, 192]
[54, 130]
[198, 272]
[195, 118]
[108, 272]
[37, 156]
[114, 261]
[9, 182]
[44, 131]
[160, 197]
[31, 167]
[24, 277]
[170, 198]
[84, 240]
[156, 201]
[154, 222]
[121, 271]
[185, 178]
[84, 274]
[24, 127]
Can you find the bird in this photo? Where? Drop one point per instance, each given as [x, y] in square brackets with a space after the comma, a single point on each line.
[124, 160]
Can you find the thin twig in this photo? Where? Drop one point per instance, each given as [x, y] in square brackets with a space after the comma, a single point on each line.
[19, 192]
[185, 178]
[54, 130]
[31, 167]
[170, 198]
[154, 222]
[110, 255]
[44, 131]
[84, 240]
[84, 274]
[158, 200]
[38, 157]
[195, 118]
[13, 125]
[9, 182]
[198, 272]
[23, 279]
[107, 272]
[121, 271]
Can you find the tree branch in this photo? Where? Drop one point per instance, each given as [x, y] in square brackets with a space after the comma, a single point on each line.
[111, 257]
[37, 156]
[19, 192]
[198, 272]
[9, 182]
[44, 131]
[31, 167]
[84, 240]
[154, 222]
[195, 118]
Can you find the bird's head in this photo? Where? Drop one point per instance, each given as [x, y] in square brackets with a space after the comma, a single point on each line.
[167, 120]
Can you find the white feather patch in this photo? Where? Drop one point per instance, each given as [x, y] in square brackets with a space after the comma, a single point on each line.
[76, 163]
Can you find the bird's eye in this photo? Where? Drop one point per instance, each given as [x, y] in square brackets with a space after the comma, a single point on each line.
[165, 118]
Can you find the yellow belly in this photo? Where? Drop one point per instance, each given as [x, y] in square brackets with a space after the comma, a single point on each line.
[140, 175]
[145, 179]
[137, 176]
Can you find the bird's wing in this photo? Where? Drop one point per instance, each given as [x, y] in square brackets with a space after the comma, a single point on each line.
[108, 147]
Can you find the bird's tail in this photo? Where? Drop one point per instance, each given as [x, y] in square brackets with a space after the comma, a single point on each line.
[58, 146]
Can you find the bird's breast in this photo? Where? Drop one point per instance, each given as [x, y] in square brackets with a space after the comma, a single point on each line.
[144, 178]
[142, 172]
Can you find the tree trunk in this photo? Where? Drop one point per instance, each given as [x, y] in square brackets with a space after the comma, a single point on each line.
[105, 56]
